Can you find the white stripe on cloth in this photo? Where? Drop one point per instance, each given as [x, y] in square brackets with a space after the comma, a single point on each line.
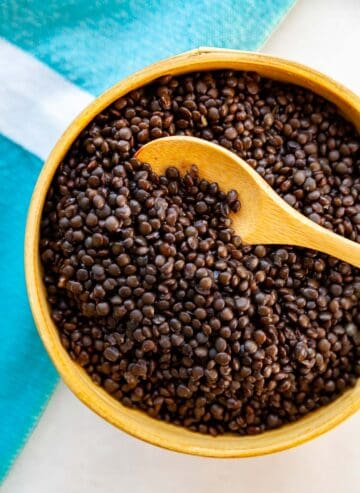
[36, 103]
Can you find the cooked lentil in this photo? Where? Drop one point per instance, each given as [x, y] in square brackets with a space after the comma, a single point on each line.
[155, 296]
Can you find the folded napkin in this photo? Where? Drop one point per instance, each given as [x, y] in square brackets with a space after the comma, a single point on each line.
[93, 44]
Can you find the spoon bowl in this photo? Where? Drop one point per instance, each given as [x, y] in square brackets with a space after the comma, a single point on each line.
[264, 217]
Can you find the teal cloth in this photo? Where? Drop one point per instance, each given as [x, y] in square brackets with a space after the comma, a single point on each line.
[93, 43]
[27, 377]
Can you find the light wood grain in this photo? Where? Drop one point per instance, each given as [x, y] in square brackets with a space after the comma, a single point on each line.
[134, 422]
[264, 217]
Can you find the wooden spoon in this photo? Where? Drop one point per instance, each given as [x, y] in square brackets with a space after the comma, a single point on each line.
[264, 217]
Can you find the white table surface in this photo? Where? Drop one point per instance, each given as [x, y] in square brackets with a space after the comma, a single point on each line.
[74, 451]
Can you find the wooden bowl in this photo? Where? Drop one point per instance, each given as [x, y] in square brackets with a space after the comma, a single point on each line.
[138, 423]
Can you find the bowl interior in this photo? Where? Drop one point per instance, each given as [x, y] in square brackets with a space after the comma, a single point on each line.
[135, 422]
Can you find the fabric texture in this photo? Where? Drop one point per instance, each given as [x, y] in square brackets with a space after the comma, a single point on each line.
[93, 44]
[27, 377]
[96, 42]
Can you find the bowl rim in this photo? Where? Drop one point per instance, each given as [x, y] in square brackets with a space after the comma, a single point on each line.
[138, 423]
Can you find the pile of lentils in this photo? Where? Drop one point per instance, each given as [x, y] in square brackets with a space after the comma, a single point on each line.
[158, 299]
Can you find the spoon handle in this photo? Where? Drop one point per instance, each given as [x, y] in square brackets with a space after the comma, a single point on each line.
[296, 229]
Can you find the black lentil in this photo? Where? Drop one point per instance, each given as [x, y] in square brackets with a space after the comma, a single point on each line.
[155, 296]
